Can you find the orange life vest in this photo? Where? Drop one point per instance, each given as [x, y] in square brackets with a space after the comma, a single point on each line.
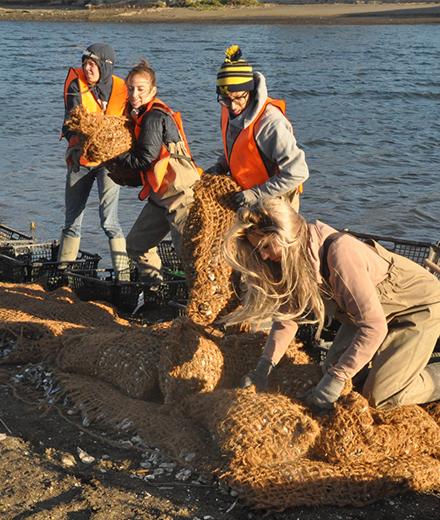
[158, 177]
[115, 106]
[245, 162]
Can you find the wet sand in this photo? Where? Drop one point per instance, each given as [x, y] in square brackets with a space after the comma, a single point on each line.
[267, 13]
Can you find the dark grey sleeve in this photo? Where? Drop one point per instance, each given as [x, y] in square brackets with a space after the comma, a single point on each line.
[277, 142]
[157, 128]
[221, 166]
[72, 101]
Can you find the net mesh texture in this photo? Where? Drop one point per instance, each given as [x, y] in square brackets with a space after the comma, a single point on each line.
[176, 385]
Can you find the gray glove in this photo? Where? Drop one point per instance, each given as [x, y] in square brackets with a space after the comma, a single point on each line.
[325, 393]
[259, 376]
[243, 198]
[73, 155]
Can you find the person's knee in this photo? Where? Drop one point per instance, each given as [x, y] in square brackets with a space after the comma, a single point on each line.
[379, 401]
[381, 396]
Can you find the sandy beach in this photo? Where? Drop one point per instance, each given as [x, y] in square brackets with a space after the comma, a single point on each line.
[268, 13]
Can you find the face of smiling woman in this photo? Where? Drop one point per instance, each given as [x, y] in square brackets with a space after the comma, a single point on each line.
[140, 90]
[91, 71]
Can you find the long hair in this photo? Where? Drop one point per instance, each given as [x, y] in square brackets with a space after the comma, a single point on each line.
[284, 290]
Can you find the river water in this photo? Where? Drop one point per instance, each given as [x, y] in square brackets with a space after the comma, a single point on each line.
[364, 100]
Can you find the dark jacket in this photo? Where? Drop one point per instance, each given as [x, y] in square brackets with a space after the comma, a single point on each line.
[157, 128]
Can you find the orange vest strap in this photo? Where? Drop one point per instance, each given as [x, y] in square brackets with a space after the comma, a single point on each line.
[245, 162]
[115, 106]
[154, 177]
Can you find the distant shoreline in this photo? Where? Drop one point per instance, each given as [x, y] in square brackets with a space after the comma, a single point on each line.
[312, 14]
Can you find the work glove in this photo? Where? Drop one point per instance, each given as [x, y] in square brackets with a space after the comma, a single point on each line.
[73, 155]
[243, 198]
[325, 393]
[216, 169]
[123, 176]
[259, 376]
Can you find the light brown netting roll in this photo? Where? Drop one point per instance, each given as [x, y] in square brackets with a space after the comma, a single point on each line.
[159, 426]
[294, 380]
[312, 483]
[57, 311]
[293, 376]
[357, 433]
[254, 428]
[24, 342]
[190, 361]
[211, 291]
[128, 360]
[241, 353]
[434, 411]
[103, 137]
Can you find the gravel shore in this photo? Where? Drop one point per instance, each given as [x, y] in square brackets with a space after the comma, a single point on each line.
[268, 13]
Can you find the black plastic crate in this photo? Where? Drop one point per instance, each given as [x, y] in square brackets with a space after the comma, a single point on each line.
[10, 236]
[102, 285]
[170, 261]
[412, 249]
[28, 262]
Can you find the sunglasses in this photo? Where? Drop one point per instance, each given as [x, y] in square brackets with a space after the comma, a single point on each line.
[93, 56]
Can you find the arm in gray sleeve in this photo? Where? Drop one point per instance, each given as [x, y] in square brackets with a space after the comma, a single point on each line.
[280, 336]
[357, 297]
[277, 142]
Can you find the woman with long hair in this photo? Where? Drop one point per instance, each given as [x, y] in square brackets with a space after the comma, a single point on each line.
[297, 272]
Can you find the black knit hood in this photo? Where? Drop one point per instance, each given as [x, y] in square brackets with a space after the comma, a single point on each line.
[104, 56]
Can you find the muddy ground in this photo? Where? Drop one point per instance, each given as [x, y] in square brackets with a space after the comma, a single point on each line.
[52, 467]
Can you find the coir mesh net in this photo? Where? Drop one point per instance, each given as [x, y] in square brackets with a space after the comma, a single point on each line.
[310, 483]
[358, 433]
[175, 384]
[211, 292]
[131, 367]
[32, 320]
[159, 425]
[254, 428]
[103, 137]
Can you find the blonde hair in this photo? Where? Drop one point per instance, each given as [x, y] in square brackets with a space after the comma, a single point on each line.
[283, 290]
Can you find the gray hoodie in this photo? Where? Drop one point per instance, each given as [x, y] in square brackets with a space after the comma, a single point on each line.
[284, 161]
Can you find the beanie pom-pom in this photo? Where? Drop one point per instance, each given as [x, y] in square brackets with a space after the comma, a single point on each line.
[233, 53]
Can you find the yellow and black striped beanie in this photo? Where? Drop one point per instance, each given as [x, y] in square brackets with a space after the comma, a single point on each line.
[235, 74]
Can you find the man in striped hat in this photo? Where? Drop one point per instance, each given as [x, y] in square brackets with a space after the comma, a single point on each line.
[259, 147]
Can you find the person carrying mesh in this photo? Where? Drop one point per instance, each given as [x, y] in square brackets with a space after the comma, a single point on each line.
[99, 91]
[162, 164]
[299, 272]
[259, 147]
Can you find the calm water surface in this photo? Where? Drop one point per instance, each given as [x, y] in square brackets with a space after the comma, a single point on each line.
[365, 102]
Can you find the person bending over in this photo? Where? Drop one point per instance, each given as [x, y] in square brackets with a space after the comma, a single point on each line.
[298, 272]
